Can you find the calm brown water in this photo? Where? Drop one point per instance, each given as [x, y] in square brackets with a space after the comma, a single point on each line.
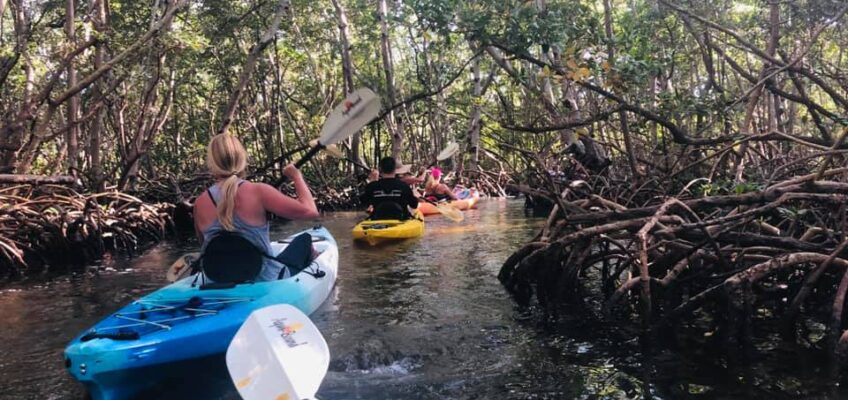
[422, 319]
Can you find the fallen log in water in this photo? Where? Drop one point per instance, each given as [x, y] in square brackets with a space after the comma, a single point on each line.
[54, 227]
[779, 252]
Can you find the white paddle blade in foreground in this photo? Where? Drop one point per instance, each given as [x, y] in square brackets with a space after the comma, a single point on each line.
[358, 109]
[449, 150]
[278, 353]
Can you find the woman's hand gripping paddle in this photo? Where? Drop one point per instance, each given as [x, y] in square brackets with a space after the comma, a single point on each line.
[278, 353]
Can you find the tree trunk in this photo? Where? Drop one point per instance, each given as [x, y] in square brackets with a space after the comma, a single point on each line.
[347, 73]
[754, 99]
[147, 127]
[29, 123]
[622, 115]
[250, 63]
[11, 138]
[72, 136]
[101, 26]
[395, 125]
[474, 124]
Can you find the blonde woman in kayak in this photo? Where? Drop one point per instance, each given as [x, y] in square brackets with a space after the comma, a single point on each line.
[233, 204]
[434, 189]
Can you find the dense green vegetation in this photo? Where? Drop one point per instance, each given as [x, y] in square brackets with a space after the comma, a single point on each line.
[116, 90]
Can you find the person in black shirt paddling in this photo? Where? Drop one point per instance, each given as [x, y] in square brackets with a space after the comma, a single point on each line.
[389, 197]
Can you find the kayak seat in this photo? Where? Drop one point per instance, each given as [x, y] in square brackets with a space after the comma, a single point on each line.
[230, 258]
[296, 256]
[389, 210]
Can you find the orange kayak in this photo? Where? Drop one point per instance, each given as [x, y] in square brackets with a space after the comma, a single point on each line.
[469, 199]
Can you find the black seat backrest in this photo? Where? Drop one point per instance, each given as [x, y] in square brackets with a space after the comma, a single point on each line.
[231, 258]
[389, 210]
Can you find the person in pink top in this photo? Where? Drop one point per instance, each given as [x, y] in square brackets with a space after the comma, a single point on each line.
[434, 189]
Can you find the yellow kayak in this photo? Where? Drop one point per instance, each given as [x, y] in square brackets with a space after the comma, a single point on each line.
[376, 231]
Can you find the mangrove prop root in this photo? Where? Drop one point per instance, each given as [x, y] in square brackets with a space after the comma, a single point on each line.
[55, 227]
[778, 253]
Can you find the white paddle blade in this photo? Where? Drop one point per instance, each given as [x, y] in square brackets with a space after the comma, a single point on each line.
[449, 150]
[278, 353]
[358, 109]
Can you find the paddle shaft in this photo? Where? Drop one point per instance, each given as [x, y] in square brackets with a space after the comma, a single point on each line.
[308, 156]
[356, 164]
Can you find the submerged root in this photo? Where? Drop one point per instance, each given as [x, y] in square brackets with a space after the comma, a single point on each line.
[54, 227]
[773, 253]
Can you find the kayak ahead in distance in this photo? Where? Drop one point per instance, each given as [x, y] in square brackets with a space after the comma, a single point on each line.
[140, 344]
[381, 230]
[468, 199]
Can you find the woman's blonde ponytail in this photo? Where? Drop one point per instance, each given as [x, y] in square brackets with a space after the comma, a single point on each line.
[227, 160]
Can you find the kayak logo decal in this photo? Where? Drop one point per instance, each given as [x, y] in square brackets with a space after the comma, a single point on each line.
[243, 383]
[394, 194]
[287, 331]
[348, 105]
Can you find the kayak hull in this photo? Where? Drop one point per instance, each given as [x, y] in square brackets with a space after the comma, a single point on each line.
[145, 341]
[462, 204]
[379, 231]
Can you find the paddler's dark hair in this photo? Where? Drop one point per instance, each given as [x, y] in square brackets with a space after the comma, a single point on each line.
[387, 165]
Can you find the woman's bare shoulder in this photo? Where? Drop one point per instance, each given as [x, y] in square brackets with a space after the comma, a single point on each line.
[257, 187]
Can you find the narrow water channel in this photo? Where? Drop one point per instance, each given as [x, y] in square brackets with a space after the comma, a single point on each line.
[421, 319]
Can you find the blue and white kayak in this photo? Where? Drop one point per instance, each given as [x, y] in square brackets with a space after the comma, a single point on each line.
[129, 350]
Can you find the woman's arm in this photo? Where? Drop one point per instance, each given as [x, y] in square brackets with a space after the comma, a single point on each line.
[197, 230]
[197, 204]
[301, 208]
